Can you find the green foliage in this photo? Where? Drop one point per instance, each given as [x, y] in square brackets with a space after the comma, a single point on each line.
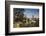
[25, 22]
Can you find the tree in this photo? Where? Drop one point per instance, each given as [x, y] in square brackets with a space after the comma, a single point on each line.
[19, 13]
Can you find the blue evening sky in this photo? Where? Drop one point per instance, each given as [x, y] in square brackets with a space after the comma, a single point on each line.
[29, 12]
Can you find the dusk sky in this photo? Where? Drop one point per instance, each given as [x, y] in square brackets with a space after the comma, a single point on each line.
[29, 12]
